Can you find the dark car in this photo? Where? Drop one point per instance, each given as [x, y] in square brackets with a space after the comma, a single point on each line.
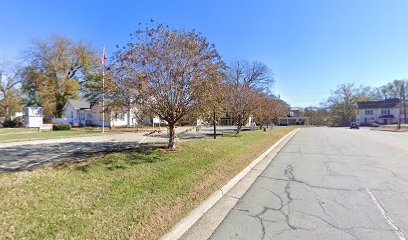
[354, 125]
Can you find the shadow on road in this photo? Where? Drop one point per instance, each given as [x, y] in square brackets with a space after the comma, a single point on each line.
[28, 157]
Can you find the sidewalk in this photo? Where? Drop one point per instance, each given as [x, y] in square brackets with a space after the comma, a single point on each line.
[111, 137]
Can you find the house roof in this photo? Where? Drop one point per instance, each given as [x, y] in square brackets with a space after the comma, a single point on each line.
[387, 103]
[81, 103]
[387, 116]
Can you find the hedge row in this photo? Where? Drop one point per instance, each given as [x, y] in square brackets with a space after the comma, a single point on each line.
[59, 127]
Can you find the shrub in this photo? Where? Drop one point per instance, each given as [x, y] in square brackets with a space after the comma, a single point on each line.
[59, 127]
[12, 123]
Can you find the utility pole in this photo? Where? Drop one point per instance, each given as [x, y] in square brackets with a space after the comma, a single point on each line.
[104, 57]
[399, 107]
[215, 128]
[403, 101]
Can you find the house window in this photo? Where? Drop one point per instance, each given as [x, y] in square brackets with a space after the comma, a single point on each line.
[385, 111]
[72, 114]
[368, 112]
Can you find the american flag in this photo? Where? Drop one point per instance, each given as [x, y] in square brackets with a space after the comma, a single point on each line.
[104, 57]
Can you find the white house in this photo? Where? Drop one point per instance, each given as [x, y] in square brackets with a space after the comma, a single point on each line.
[382, 112]
[295, 118]
[227, 119]
[80, 112]
[32, 116]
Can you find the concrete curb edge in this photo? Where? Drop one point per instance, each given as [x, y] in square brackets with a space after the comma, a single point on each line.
[184, 224]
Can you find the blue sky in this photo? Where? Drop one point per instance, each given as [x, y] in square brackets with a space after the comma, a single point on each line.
[311, 46]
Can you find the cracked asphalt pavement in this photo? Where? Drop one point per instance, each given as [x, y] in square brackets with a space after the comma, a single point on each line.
[328, 183]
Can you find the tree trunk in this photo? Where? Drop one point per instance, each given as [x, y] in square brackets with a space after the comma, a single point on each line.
[399, 116]
[239, 124]
[172, 136]
[239, 128]
[215, 128]
[59, 105]
[6, 108]
[128, 118]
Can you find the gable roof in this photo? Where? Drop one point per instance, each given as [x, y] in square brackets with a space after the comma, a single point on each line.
[387, 103]
[80, 103]
[387, 116]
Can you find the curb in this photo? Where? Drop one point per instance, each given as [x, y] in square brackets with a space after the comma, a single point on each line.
[186, 223]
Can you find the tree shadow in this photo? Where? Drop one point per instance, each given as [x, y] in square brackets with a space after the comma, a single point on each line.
[78, 155]
[145, 153]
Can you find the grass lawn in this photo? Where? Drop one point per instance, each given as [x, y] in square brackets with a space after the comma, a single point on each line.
[17, 130]
[392, 128]
[23, 134]
[137, 195]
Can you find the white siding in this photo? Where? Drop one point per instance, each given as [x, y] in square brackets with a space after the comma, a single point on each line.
[364, 118]
[32, 117]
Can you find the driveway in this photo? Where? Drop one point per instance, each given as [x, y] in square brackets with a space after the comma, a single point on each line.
[15, 156]
[328, 183]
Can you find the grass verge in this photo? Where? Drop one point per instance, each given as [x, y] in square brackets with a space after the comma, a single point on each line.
[137, 195]
[392, 128]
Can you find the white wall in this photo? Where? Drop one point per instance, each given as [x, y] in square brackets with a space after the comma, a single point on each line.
[94, 117]
[110, 120]
[71, 115]
[59, 121]
[376, 113]
[33, 121]
[32, 117]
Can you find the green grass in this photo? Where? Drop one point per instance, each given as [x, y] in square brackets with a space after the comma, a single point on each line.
[392, 127]
[137, 195]
[23, 134]
[17, 130]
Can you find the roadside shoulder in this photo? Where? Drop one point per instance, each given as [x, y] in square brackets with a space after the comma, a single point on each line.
[203, 220]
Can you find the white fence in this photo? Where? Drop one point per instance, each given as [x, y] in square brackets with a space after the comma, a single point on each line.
[59, 120]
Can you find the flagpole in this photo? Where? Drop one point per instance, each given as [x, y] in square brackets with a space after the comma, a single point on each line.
[103, 90]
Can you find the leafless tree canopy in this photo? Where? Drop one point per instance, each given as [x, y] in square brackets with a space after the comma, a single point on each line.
[176, 69]
[246, 81]
[10, 96]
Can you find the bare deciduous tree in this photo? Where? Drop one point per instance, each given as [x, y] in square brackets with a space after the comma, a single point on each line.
[342, 104]
[268, 108]
[9, 94]
[244, 81]
[177, 68]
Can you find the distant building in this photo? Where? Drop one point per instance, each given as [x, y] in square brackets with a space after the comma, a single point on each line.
[227, 119]
[295, 117]
[80, 112]
[381, 112]
[32, 116]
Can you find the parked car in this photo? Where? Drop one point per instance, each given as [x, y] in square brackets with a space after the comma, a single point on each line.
[354, 125]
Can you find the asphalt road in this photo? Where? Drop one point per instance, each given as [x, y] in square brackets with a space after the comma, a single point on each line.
[328, 183]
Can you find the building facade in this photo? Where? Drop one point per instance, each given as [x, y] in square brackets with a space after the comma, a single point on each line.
[388, 111]
[227, 119]
[80, 112]
[32, 116]
[295, 118]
